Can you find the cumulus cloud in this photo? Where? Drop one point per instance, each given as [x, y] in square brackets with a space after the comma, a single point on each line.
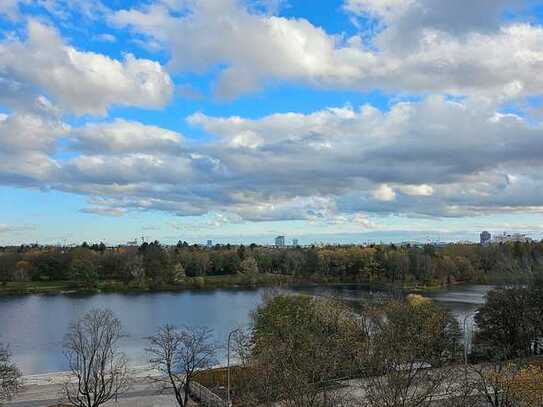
[435, 157]
[405, 20]
[80, 82]
[417, 190]
[424, 46]
[9, 9]
[123, 136]
[384, 193]
[27, 144]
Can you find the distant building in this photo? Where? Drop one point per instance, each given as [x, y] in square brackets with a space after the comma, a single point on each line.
[132, 243]
[485, 237]
[295, 242]
[209, 243]
[280, 241]
[514, 237]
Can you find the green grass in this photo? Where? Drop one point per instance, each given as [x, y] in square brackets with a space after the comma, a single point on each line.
[37, 287]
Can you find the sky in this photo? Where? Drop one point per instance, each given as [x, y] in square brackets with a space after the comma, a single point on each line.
[238, 120]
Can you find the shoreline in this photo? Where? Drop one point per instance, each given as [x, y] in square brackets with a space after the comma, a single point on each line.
[202, 284]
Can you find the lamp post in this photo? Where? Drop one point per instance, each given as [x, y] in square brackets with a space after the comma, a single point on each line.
[468, 315]
[228, 365]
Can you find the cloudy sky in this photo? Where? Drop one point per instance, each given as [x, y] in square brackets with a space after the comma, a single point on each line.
[236, 120]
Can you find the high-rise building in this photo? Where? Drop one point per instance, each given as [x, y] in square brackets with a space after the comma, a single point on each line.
[280, 241]
[485, 237]
[295, 242]
[209, 243]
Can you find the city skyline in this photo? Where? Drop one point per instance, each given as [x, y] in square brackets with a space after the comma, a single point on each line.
[240, 120]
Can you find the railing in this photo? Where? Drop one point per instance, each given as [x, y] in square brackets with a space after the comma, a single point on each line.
[206, 396]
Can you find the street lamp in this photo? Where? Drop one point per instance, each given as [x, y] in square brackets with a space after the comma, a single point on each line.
[228, 365]
[468, 315]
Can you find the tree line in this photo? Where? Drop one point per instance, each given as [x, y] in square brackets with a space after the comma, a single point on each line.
[153, 264]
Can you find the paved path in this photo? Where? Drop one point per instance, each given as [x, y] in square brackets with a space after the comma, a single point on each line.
[141, 398]
[142, 394]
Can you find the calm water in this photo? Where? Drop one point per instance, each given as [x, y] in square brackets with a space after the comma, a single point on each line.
[34, 325]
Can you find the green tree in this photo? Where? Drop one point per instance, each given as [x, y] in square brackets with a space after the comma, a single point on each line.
[505, 327]
[300, 345]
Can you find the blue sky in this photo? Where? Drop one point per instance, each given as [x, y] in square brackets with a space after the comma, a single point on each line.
[338, 121]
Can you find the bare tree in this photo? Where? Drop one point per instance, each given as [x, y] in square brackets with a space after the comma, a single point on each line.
[410, 348]
[404, 383]
[99, 368]
[10, 375]
[488, 379]
[460, 389]
[178, 354]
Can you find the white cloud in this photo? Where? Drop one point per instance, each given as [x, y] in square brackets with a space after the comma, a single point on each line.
[416, 190]
[409, 18]
[29, 132]
[462, 54]
[9, 9]
[440, 155]
[81, 82]
[123, 136]
[105, 37]
[104, 211]
[27, 142]
[435, 157]
[384, 193]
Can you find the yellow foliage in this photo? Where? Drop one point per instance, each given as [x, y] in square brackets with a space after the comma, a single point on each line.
[416, 299]
[527, 386]
[524, 386]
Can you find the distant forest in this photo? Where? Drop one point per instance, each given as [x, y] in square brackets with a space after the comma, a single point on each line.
[153, 264]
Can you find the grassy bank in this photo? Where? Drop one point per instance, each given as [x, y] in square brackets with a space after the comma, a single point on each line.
[197, 283]
[188, 283]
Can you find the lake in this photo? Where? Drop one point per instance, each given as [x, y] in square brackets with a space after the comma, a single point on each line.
[34, 325]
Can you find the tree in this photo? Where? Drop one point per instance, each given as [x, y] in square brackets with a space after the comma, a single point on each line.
[510, 384]
[132, 270]
[505, 324]
[85, 270]
[157, 264]
[526, 386]
[490, 382]
[249, 266]
[300, 345]
[91, 347]
[408, 339]
[10, 375]
[178, 354]
[536, 309]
